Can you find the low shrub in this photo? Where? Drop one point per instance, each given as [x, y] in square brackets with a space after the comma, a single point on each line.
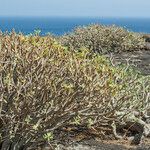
[43, 86]
[103, 39]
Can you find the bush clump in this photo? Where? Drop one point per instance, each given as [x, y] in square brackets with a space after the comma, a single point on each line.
[103, 39]
[43, 86]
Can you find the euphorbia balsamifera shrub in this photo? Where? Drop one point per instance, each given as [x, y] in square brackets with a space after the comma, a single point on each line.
[103, 39]
[44, 86]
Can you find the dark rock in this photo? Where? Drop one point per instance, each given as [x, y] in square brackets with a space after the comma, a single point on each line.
[137, 139]
[140, 60]
[146, 37]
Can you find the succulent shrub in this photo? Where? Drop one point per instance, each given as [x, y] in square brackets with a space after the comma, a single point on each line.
[44, 86]
[103, 39]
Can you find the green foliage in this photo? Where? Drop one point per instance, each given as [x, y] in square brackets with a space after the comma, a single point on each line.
[37, 32]
[48, 136]
[44, 86]
[103, 39]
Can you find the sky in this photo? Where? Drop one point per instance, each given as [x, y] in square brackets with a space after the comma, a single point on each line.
[95, 8]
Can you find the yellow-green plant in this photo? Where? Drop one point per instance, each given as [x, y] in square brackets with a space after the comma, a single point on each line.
[103, 39]
[48, 136]
[44, 86]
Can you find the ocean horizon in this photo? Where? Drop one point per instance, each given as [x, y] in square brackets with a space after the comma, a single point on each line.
[62, 25]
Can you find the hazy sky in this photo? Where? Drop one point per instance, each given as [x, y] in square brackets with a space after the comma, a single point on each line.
[102, 8]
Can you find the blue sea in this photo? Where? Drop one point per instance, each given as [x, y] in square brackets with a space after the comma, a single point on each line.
[61, 25]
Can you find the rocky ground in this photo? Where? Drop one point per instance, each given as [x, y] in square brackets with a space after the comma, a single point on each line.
[104, 145]
[97, 144]
[140, 60]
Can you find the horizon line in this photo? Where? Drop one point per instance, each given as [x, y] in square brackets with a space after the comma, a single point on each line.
[59, 16]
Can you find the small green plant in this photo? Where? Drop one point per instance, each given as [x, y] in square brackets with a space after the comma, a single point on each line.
[77, 120]
[48, 136]
[90, 122]
[37, 32]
